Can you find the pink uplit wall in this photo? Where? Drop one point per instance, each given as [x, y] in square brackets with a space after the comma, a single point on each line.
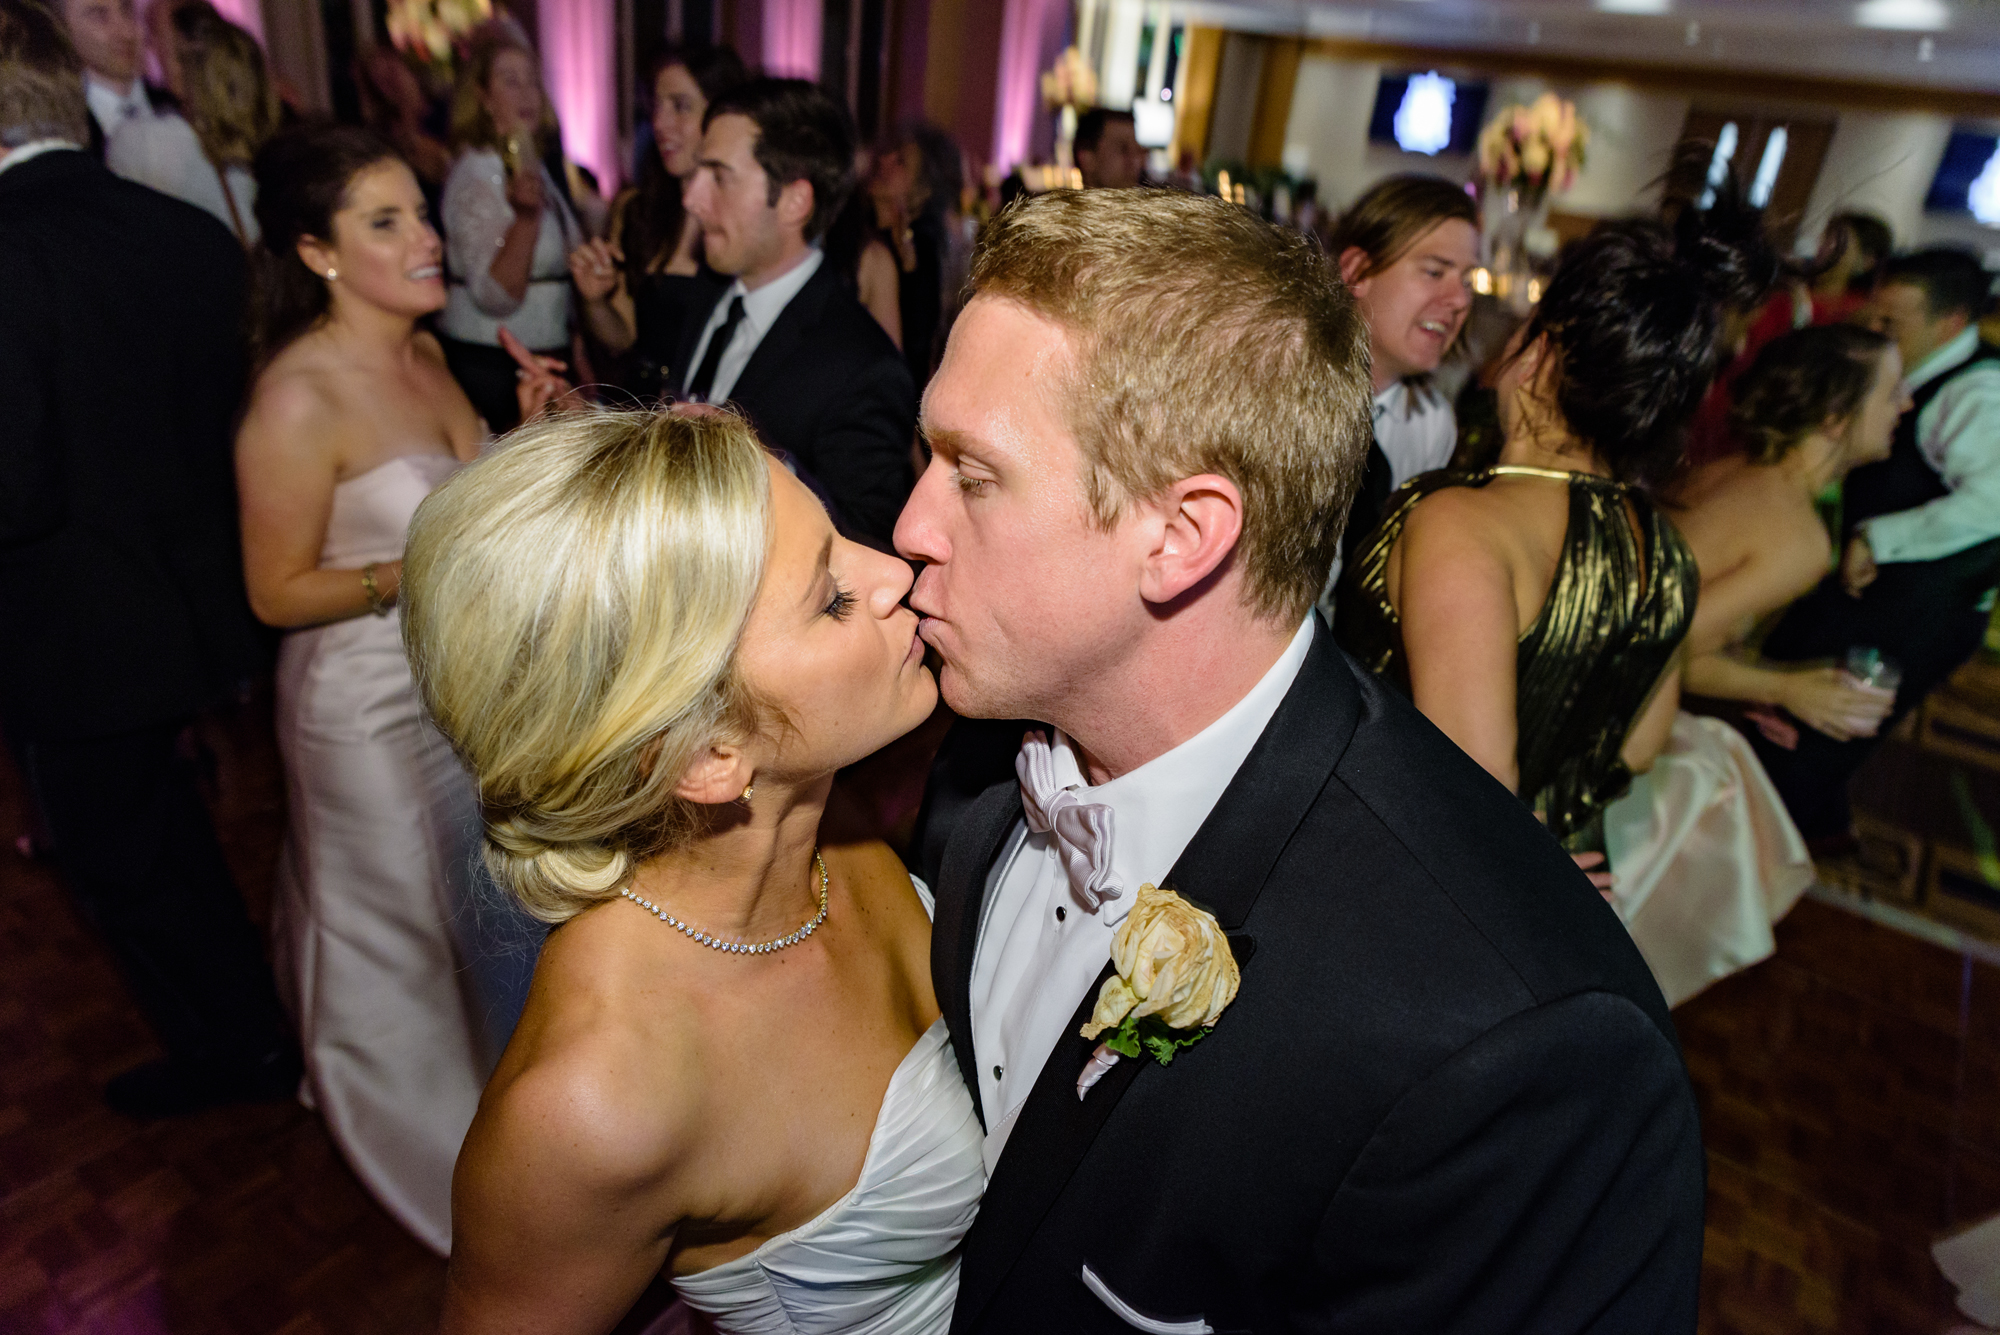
[582, 81]
[791, 38]
[1031, 35]
[246, 14]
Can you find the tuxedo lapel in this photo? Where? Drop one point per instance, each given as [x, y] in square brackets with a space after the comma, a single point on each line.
[1223, 870]
[960, 897]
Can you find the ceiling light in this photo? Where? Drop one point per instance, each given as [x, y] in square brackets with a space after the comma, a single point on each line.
[1909, 15]
[1632, 6]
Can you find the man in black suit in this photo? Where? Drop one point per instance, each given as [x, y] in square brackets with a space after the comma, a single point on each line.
[1447, 1096]
[106, 36]
[121, 584]
[787, 341]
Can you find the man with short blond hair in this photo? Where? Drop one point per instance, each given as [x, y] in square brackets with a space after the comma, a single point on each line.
[1447, 1095]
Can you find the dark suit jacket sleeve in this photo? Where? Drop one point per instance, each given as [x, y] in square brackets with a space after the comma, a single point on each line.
[861, 453]
[1504, 1194]
[31, 471]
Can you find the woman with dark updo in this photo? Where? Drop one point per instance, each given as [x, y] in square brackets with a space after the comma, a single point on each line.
[1707, 858]
[353, 419]
[1535, 610]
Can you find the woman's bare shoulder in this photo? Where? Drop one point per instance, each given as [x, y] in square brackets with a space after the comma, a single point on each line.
[296, 401]
[597, 1089]
[874, 870]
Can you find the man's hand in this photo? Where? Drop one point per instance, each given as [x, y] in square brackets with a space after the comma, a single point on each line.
[1857, 565]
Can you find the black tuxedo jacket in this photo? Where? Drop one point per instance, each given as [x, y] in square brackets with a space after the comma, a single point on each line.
[1448, 1097]
[828, 386]
[121, 370]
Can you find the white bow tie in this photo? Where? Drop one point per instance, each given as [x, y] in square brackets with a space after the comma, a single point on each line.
[1082, 829]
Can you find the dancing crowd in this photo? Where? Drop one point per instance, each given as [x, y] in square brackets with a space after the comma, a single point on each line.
[770, 674]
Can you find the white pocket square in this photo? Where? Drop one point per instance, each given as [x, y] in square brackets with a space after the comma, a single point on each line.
[1138, 1320]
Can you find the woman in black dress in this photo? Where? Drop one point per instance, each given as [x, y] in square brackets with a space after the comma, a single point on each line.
[637, 284]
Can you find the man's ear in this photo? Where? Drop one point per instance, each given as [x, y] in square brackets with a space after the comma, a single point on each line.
[795, 203]
[1195, 524]
[719, 775]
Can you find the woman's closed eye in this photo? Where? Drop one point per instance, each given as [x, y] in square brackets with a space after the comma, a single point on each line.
[841, 604]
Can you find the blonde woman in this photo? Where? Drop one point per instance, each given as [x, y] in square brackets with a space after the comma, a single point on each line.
[509, 224]
[228, 110]
[651, 647]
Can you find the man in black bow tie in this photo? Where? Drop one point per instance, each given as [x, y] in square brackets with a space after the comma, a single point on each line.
[1446, 1094]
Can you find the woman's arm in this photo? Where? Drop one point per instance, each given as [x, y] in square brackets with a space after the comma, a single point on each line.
[490, 240]
[558, 1221]
[597, 268]
[286, 465]
[1822, 698]
[1461, 630]
[1655, 725]
[878, 283]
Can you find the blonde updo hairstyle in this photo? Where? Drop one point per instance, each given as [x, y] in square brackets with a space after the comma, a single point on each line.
[572, 606]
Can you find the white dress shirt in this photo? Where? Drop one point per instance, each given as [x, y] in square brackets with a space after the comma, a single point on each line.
[1958, 433]
[112, 106]
[164, 153]
[1039, 949]
[33, 149]
[761, 310]
[1416, 429]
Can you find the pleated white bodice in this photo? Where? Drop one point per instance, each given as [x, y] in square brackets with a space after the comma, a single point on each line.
[883, 1259]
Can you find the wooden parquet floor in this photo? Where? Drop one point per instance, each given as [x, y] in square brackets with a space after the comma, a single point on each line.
[1850, 1092]
[241, 1221]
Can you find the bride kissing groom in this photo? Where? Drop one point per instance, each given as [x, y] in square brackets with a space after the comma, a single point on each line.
[1254, 1005]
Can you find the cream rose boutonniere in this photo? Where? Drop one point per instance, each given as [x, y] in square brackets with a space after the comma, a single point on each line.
[1175, 974]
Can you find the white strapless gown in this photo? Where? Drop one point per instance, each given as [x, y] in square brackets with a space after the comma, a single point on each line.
[883, 1259]
[377, 861]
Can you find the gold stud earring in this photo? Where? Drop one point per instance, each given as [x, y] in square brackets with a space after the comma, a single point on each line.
[749, 791]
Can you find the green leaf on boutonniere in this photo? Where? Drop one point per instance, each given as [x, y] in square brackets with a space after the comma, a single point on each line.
[1151, 1037]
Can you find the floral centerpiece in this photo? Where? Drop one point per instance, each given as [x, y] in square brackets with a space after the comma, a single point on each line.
[1535, 149]
[1072, 83]
[430, 32]
[1069, 89]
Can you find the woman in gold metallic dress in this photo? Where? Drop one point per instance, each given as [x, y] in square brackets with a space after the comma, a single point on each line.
[1535, 610]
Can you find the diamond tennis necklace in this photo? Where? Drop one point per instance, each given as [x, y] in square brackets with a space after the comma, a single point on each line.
[741, 947]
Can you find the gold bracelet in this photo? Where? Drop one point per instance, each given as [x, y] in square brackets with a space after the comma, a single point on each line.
[376, 602]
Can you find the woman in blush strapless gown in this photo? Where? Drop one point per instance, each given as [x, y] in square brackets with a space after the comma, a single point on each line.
[653, 650]
[383, 944]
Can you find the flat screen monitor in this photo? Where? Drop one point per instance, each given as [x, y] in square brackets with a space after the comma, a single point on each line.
[1427, 112]
[1968, 179]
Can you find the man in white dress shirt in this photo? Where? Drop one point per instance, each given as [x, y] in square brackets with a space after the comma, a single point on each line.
[106, 34]
[786, 340]
[1447, 1095]
[1406, 250]
[1923, 552]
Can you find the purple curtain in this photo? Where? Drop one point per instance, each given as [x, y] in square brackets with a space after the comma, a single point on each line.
[1031, 35]
[791, 38]
[578, 66]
